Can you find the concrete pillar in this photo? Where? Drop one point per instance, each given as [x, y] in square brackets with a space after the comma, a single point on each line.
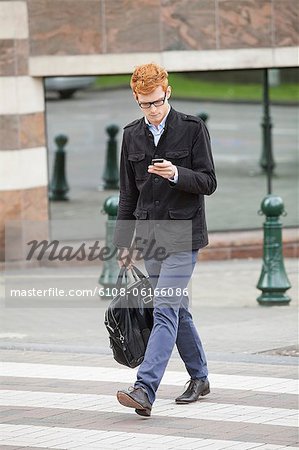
[23, 159]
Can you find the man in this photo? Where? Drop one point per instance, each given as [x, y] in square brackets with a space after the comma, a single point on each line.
[169, 191]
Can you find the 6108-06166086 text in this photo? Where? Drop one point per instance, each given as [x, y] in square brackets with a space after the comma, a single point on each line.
[163, 292]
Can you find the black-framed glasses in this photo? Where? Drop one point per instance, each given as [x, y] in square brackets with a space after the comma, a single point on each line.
[146, 105]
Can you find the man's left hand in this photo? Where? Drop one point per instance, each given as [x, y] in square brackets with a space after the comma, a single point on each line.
[165, 169]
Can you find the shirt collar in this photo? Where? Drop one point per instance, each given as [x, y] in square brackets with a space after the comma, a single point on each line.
[161, 124]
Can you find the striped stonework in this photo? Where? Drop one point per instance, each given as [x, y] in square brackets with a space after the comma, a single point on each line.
[23, 162]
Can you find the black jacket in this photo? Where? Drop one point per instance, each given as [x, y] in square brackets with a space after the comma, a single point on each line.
[143, 196]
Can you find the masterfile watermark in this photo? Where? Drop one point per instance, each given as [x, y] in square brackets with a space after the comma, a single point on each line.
[57, 265]
[97, 291]
[53, 292]
[52, 251]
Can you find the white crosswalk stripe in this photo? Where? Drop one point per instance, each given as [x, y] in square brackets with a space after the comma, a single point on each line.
[66, 438]
[112, 374]
[69, 438]
[198, 410]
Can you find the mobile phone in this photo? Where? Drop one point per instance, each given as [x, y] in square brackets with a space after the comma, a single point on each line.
[157, 160]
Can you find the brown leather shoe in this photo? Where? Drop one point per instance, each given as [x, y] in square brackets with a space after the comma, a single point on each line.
[195, 389]
[135, 398]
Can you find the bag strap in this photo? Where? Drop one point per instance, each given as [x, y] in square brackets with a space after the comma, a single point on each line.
[138, 273]
[123, 272]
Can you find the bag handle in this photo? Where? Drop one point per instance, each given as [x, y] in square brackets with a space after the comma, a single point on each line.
[124, 272]
[138, 273]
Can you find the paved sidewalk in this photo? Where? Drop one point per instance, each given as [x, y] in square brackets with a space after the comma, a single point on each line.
[67, 401]
[223, 301]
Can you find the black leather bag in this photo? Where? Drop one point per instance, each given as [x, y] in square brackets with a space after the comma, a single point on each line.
[129, 318]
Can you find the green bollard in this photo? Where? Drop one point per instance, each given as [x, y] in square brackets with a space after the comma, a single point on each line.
[59, 186]
[203, 116]
[273, 281]
[110, 270]
[111, 172]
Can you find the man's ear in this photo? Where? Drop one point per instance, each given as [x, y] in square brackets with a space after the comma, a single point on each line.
[168, 92]
[135, 96]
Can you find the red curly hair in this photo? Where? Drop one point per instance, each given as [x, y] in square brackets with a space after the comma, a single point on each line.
[147, 77]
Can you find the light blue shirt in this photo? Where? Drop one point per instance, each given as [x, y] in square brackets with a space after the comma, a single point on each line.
[157, 132]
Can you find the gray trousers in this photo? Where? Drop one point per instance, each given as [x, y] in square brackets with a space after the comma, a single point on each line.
[173, 323]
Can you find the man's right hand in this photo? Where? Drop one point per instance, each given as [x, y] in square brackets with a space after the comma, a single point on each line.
[125, 257]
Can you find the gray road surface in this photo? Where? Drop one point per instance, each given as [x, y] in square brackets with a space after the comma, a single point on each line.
[236, 138]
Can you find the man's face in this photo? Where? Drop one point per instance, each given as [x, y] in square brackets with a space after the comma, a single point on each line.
[154, 114]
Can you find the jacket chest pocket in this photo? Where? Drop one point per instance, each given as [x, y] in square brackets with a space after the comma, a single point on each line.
[179, 157]
[139, 164]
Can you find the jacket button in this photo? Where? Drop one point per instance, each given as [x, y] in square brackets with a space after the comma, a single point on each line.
[156, 156]
[157, 203]
[156, 180]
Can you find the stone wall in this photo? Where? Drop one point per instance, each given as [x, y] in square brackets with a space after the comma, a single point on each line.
[111, 36]
[69, 37]
[23, 156]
